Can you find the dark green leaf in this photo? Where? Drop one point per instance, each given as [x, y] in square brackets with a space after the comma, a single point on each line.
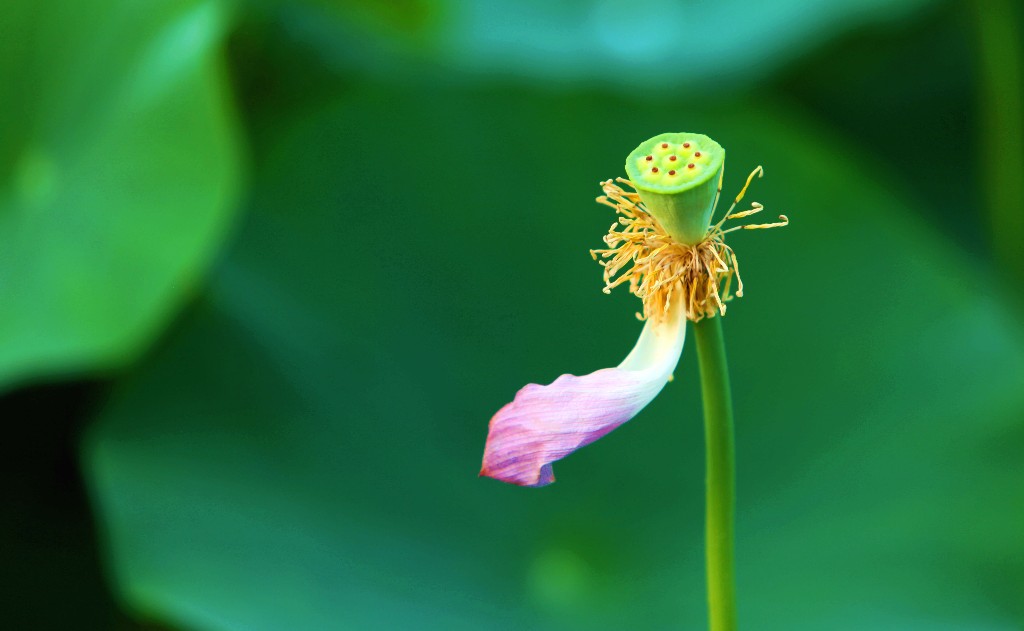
[303, 453]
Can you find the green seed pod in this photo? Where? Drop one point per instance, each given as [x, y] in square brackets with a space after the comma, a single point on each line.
[677, 176]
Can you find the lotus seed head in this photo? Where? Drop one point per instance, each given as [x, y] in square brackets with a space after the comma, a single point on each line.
[680, 199]
[648, 163]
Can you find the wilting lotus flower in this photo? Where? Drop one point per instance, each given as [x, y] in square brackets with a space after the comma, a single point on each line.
[676, 262]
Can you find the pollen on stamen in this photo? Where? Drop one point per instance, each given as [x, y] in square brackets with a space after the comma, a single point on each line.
[655, 267]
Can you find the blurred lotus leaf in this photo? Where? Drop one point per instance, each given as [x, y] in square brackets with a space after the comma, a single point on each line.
[119, 169]
[302, 453]
[648, 44]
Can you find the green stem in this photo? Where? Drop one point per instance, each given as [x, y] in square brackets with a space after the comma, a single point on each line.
[1001, 89]
[721, 474]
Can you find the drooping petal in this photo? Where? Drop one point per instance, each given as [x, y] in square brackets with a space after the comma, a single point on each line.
[546, 423]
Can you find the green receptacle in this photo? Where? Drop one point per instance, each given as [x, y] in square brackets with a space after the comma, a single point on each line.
[677, 176]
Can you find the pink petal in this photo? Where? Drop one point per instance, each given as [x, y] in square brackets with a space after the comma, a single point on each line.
[547, 423]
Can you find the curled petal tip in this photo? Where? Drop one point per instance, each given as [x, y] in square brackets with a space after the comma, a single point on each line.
[544, 424]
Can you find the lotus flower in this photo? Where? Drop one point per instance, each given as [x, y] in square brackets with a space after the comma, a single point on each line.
[676, 262]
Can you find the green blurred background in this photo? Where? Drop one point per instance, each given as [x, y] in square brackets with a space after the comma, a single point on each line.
[268, 268]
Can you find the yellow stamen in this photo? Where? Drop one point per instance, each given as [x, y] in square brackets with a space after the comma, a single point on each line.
[642, 253]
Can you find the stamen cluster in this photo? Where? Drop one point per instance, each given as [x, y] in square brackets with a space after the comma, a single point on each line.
[656, 266]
